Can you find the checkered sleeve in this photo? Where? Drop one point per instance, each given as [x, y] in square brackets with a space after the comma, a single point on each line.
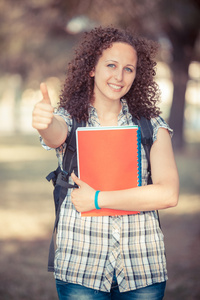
[157, 123]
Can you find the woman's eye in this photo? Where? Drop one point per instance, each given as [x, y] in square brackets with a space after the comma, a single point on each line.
[129, 70]
[111, 66]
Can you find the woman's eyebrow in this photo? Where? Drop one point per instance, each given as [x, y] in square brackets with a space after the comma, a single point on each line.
[111, 60]
[131, 66]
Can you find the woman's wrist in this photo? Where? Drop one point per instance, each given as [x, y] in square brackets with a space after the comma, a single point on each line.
[103, 199]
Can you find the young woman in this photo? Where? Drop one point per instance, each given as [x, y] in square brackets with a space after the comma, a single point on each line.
[111, 78]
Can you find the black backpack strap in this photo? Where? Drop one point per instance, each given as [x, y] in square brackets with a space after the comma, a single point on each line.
[146, 140]
[62, 194]
[70, 155]
[60, 179]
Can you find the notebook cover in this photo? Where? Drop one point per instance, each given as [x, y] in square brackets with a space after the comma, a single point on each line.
[108, 160]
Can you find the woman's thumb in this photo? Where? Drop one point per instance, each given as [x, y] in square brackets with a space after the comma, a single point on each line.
[76, 179]
[45, 94]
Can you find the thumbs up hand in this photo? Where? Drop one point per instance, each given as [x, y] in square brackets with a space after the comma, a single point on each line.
[42, 116]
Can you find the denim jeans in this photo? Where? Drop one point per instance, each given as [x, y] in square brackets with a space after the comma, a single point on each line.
[70, 291]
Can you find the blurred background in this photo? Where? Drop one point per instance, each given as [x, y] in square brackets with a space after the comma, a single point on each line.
[37, 38]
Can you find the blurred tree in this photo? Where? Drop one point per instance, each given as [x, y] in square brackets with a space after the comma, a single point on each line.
[33, 39]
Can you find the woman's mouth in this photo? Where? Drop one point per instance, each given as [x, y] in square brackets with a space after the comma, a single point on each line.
[115, 87]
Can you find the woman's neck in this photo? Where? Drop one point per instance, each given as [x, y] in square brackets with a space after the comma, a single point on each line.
[108, 112]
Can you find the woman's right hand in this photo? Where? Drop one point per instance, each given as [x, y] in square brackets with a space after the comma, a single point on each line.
[42, 116]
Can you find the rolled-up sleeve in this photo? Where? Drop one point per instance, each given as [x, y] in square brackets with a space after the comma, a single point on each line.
[157, 123]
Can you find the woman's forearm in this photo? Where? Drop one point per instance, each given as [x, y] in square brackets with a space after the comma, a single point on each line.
[145, 198]
[55, 135]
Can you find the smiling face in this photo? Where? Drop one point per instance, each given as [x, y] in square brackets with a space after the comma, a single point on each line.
[115, 72]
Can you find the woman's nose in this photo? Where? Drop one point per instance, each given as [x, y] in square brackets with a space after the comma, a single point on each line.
[119, 75]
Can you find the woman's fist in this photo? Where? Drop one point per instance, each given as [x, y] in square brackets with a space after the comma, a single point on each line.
[83, 197]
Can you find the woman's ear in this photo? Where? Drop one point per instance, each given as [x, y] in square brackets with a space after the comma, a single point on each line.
[92, 73]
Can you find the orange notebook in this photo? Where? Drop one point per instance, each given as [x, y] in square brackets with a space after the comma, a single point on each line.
[109, 159]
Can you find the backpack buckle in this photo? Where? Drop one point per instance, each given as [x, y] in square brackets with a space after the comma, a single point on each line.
[64, 175]
[71, 148]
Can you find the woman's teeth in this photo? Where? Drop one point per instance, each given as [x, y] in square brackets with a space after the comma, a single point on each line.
[116, 87]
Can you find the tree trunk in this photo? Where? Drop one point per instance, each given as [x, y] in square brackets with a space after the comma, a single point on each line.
[183, 51]
[176, 120]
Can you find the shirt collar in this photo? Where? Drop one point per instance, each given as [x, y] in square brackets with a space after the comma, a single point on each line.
[123, 118]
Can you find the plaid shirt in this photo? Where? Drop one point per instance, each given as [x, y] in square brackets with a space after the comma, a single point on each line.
[89, 249]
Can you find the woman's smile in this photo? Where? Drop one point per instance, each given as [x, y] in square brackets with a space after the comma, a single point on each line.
[115, 87]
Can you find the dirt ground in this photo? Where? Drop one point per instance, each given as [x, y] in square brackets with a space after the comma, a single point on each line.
[27, 213]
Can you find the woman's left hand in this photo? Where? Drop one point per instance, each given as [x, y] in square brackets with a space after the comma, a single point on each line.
[83, 197]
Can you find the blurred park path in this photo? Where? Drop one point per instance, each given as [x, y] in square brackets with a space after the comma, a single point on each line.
[27, 214]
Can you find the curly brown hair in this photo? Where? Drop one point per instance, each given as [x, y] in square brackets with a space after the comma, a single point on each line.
[144, 93]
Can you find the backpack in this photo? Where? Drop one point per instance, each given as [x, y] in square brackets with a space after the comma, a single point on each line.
[60, 178]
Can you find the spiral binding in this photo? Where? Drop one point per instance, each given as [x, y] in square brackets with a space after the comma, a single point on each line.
[139, 157]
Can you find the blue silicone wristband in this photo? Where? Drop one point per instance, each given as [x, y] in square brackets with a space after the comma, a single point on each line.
[96, 200]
